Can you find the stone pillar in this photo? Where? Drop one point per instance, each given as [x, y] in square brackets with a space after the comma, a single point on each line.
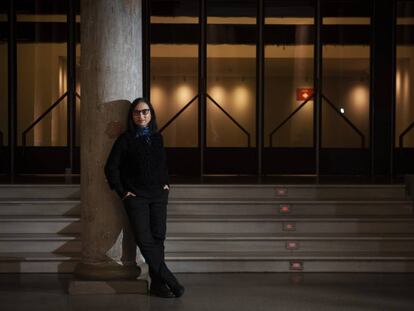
[111, 76]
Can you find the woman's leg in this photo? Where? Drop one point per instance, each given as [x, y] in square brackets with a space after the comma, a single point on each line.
[138, 211]
[158, 220]
[152, 249]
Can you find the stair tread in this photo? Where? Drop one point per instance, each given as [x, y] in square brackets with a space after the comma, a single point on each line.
[289, 255]
[226, 200]
[287, 218]
[39, 236]
[37, 256]
[290, 201]
[38, 218]
[47, 256]
[289, 236]
[37, 200]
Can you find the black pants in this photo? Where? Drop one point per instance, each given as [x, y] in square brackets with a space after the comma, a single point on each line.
[148, 218]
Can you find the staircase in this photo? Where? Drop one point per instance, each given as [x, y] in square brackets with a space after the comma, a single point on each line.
[229, 228]
[39, 228]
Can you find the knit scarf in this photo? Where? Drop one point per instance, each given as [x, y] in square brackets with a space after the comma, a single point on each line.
[143, 132]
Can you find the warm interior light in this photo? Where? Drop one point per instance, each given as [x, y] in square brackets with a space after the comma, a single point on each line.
[241, 97]
[183, 94]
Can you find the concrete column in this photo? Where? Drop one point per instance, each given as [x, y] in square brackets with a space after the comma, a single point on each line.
[111, 76]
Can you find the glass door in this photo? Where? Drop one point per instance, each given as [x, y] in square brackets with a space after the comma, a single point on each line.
[404, 84]
[345, 102]
[231, 88]
[174, 41]
[288, 133]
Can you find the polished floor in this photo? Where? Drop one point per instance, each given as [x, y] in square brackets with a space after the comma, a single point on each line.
[223, 291]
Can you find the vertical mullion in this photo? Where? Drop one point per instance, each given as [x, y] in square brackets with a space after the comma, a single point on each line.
[259, 85]
[317, 85]
[202, 82]
[12, 88]
[146, 49]
[71, 78]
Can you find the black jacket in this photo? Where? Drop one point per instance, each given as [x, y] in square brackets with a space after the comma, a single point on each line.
[138, 166]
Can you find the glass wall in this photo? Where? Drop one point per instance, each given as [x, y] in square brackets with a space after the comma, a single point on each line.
[174, 70]
[288, 87]
[41, 72]
[404, 132]
[231, 74]
[3, 80]
[346, 74]
[345, 125]
[4, 122]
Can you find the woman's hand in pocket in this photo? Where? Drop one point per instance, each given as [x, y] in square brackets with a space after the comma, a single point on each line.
[129, 194]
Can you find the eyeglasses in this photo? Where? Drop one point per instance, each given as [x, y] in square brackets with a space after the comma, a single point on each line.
[143, 112]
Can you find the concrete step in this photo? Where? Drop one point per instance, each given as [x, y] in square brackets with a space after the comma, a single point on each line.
[289, 207]
[289, 242]
[39, 207]
[346, 192]
[40, 242]
[39, 224]
[32, 262]
[46, 191]
[225, 207]
[290, 262]
[218, 191]
[275, 224]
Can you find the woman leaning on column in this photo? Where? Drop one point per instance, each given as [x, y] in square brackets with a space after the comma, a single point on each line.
[137, 170]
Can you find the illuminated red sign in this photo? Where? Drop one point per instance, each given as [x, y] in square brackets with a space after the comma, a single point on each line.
[303, 93]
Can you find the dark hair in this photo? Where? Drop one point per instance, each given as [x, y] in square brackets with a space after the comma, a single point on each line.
[130, 121]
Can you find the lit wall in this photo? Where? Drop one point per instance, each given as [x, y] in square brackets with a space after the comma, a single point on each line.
[404, 94]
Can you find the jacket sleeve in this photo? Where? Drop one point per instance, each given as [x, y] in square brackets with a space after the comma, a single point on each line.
[113, 165]
[166, 175]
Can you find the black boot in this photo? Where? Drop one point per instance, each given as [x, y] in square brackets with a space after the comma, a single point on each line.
[158, 287]
[171, 281]
[161, 290]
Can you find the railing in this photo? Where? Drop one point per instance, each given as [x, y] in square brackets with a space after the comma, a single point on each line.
[232, 119]
[178, 113]
[287, 119]
[218, 105]
[409, 128]
[332, 106]
[40, 118]
[347, 121]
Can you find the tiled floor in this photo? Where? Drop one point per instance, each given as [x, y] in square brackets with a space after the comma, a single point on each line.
[215, 292]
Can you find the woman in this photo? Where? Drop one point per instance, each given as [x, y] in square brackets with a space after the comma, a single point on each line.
[136, 169]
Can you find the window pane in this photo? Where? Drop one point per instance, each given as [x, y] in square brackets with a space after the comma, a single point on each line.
[3, 83]
[288, 74]
[231, 74]
[174, 70]
[405, 74]
[41, 72]
[346, 73]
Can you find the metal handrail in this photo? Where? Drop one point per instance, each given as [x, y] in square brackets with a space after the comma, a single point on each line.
[178, 113]
[231, 118]
[333, 107]
[409, 128]
[40, 118]
[347, 121]
[287, 119]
